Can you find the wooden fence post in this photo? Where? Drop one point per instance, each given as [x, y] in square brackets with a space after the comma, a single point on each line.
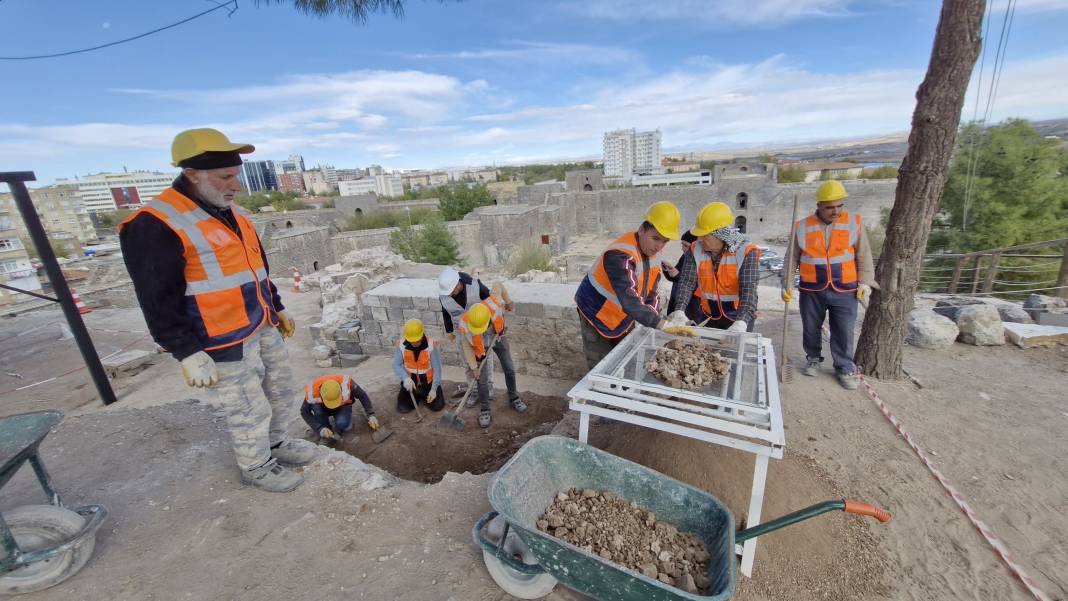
[952, 289]
[975, 273]
[991, 272]
[1062, 277]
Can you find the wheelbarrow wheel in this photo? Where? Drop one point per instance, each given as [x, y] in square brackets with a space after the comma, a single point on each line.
[515, 583]
[39, 527]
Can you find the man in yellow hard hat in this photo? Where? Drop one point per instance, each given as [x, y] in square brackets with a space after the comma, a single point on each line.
[717, 283]
[329, 399]
[417, 362]
[201, 278]
[621, 288]
[833, 258]
[476, 336]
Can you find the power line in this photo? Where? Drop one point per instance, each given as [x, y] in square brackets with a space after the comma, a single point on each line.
[123, 41]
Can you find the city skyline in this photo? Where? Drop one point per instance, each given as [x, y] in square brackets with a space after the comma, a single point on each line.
[543, 82]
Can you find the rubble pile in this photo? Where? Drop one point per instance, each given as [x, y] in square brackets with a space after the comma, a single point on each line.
[624, 533]
[687, 365]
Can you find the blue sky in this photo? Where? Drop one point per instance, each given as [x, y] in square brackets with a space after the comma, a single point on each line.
[482, 81]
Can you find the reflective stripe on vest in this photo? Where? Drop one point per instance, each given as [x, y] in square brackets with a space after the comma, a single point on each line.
[227, 293]
[311, 391]
[597, 300]
[420, 366]
[719, 289]
[478, 341]
[831, 262]
[471, 295]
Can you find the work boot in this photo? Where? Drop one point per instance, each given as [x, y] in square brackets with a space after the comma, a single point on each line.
[519, 405]
[272, 477]
[471, 401]
[293, 453]
[484, 419]
[849, 381]
[812, 367]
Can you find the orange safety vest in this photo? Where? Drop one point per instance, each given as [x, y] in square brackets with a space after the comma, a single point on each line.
[311, 391]
[478, 341]
[598, 302]
[833, 264]
[719, 289]
[418, 367]
[227, 292]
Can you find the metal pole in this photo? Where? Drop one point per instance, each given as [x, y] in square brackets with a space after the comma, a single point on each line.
[16, 181]
[789, 286]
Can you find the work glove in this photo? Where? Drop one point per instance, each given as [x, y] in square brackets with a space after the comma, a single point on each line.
[509, 306]
[433, 394]
[327, 433]
[738, 326]
[285, 325]
[199, 370]
[452, 337]
[787, 296]
[678, 318]
[372, 422]
[863, 292]
[409, 384]
[680, 330]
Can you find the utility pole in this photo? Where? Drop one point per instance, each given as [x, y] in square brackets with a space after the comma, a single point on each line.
[16, 182]
[921, 179]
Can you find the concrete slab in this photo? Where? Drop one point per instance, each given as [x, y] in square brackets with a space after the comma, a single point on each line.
[1028, 335]
[128, 363]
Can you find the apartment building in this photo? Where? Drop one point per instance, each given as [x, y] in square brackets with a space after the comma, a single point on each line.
[126, 190]
[628, 152]
[61, 211]
[15, 268]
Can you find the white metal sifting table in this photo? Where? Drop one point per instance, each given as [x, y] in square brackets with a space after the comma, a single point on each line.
[741, 411]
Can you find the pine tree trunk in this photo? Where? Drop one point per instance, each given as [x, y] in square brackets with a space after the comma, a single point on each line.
[920, 181]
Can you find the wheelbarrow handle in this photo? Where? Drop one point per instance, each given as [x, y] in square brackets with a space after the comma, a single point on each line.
[497, 549]
[812, 511]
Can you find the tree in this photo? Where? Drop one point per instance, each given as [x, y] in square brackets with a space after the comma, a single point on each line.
[356, 10]
[457, 201]
[791, 175]
[766, 157]
[919, 186]
[433, 243]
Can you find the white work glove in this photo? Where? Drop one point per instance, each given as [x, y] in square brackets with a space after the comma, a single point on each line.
[738, 326]
[409, 384]
[199, 370]
[328, 434]
[372, 422]
[433, 394]
[678, 318]
[863, 292]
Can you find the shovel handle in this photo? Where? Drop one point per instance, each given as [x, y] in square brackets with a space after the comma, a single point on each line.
[861, 508]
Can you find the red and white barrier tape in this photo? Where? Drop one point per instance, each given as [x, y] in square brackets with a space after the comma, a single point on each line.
[988, 534]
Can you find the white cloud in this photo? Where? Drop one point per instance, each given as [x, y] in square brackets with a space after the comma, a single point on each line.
[722, 12]
[1036, 5]
[520, 50]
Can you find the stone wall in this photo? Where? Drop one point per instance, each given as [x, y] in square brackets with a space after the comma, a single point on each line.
[269, 225]
[466, 234]
[543, 331]
[370, 203]
[307, 249]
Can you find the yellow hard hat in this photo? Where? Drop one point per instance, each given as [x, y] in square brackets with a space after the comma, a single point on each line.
[330, 393]
[193, 142]
[713, 216]
[665, 218]
[413, 330]
[478, 318]
[830, 191]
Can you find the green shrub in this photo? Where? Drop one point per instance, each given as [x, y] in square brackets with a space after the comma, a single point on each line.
[374, 221]
[530, 255]
[432, 243]
[791, 175]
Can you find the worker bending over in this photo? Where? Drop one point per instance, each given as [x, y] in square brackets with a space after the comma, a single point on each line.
[457, 292]
[329, 398]
[476, 338]
[621, 288]
[718, 278]
[417, 362]
[834, 259]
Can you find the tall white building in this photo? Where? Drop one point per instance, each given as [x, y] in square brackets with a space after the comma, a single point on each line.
[110, 191]
[61, 211]
[627, 153]
[294, 164]
[383, 185]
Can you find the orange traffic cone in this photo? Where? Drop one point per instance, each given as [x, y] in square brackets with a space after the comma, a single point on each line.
[296, 281]
[78, 302]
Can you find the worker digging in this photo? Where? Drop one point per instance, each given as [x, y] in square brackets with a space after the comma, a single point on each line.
[417, 363]
[327, 408]
[478, 339]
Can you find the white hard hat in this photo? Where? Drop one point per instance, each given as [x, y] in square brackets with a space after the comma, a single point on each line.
[447, 281]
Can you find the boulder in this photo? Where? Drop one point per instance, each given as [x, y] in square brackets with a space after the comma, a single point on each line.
[980, 325]
[927, 329]
[950, 307]
[1027, 335]
[1036, 304]
[321, 352]
[1013, 313]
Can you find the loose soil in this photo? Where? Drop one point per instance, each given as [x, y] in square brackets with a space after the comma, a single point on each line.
[687, 365]
[425, 451]
[627, 534]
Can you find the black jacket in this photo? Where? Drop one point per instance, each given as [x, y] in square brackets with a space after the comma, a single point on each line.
[154, 257]
[461, 298]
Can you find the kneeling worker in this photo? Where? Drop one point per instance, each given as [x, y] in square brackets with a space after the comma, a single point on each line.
[417, 362]
[475, 337]
[718, 277]
[332, 396]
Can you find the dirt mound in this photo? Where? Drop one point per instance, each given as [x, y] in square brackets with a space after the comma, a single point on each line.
[803, 561]
[424, 451]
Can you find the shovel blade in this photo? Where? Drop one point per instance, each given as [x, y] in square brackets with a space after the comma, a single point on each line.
[381, 434]
[451, 420]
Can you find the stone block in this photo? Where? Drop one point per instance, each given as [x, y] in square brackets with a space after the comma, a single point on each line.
[927, 329]
[333, 361]
[379, 314]
[1013, 313]
[316, 331]
[980, 325]
[1037, 304]
[530, 309]
[371, 300]
[556, 311]
[366, 316]
[430, 317]
[951, 307]
[348, 361]
[1027, 335]
[349, 347]
[1053, 318]
[395, 315]
[321, 352]
[401, 302]
[421, 302]
[128, 363]
[412, 314]
[348, 331]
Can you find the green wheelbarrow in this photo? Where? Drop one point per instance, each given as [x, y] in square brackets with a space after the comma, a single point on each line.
[528, 563]
[43, 545]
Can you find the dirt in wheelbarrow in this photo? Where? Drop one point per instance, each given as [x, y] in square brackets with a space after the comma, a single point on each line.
[425, 451]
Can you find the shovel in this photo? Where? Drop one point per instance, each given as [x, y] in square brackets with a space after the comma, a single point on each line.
[381, 433]
[452, 419]
[418, 414]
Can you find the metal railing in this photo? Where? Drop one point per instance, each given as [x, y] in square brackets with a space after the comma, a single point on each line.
[1012, 271]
